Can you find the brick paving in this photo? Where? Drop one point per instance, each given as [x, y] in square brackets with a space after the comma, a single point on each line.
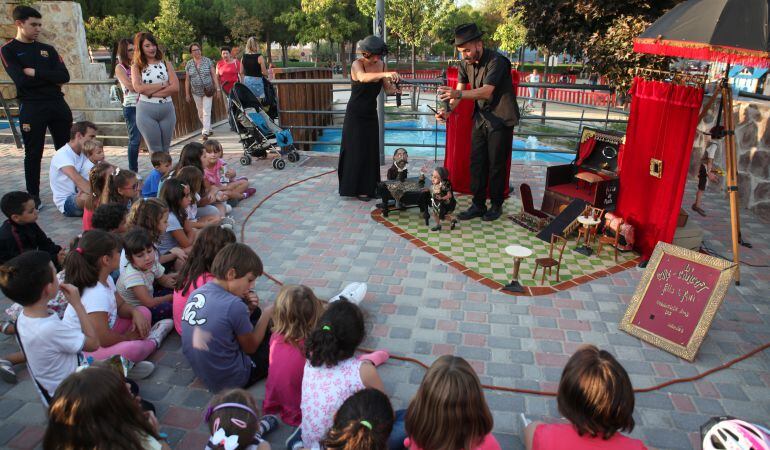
[419, 306]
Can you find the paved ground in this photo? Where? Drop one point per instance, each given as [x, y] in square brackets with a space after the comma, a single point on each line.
[420, 307]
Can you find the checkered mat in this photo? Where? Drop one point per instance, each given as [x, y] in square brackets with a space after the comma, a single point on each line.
[480, 247]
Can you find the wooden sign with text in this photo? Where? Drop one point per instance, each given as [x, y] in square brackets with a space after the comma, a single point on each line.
[677, 298]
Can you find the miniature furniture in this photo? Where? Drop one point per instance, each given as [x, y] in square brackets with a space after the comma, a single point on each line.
[528, 213]
[550, 261]
[410, 192]
[518, 252]
[589, 227]
[610, 236]
[592, 177]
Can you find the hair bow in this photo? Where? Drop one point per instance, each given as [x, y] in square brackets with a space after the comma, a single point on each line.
[220, 437]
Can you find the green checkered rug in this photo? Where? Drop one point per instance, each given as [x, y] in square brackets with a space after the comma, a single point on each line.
[480, 246]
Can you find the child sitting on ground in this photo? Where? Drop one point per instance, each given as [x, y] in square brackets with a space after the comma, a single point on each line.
[111, 217]
[217, 174]
[161, 166]
[204, 215]
[442, 200]
[197, 269]
[225, 334]
[151, 215]
[234, 423]
[596, 396]
[448, 411]
[52, 348]
[138, 276]
[194, 154]
[179, 231]
[364, 421]
[122, 329]
[121, 187]
[21, 233]
[97, 178]
[94, 151]
[332, 372]
[94, 409]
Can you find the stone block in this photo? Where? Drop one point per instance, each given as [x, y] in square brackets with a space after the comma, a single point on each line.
[760, 164]
[762, 210]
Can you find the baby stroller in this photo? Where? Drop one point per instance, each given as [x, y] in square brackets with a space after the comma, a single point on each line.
[259, 135]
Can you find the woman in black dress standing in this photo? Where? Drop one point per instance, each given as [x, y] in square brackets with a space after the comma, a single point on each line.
[359, 165]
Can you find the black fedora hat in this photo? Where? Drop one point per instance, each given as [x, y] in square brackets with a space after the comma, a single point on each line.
[466, 33]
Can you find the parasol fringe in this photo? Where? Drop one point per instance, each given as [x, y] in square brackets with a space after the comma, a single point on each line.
[693, 50]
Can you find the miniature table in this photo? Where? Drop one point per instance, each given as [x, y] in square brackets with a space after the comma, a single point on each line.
[587, 223]
[410, 192]
[518, 252]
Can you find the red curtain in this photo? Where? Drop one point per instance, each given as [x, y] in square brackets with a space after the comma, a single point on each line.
[661, 126]
[457, 158]
[585, 150]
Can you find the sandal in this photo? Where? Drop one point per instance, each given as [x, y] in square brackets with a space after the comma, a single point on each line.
[6, 372]
[267, 424]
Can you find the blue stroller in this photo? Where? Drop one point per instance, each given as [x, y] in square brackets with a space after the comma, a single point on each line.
[258, 134]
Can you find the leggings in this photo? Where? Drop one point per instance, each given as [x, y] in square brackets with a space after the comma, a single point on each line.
[156, 122]
[134, 351]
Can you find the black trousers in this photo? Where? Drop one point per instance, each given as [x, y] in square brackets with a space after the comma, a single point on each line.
[490, 151]
[35, 118]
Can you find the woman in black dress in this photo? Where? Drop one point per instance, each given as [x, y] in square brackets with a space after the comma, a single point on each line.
[359, 165]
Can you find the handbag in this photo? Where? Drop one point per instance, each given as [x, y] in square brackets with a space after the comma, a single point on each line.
[208, 91]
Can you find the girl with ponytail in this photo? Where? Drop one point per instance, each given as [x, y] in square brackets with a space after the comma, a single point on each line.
[365, 420]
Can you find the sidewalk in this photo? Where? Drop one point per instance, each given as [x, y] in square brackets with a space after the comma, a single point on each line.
[419, 307]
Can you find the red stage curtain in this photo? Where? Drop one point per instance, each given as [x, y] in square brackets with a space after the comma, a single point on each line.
[661, 126]
[457, 158]
[585, 150]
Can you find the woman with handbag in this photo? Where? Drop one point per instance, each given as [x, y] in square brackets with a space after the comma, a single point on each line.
[202, 82]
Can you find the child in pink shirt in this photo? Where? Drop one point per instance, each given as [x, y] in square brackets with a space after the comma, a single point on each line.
[296, 312]
[215, 171]
[595, 395]
[449, 410]
[195, 272]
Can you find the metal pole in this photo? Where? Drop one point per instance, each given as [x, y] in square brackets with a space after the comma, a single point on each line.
[379, 31]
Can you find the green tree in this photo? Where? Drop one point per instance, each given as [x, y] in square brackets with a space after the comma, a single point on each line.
[242, 24]
[206, 17]
[443, 34]
[107, 31]
[172, 31]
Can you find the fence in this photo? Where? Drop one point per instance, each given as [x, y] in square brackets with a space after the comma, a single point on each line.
[580, 97]
[304, 97]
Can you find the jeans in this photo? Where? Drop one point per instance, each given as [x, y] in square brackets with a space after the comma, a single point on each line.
[134, 137]
[397, 436]
[71, 207]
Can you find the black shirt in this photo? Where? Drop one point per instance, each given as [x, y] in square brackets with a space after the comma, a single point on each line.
[251, 66]
[50, 71]
[493, 69]
[16, 239]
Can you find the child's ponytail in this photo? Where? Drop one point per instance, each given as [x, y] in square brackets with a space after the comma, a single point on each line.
[115, 181]
[81, 265]
[364, 420]
[97, 178]
[339, 331]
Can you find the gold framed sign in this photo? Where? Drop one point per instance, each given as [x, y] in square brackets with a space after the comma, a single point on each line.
[677, 298]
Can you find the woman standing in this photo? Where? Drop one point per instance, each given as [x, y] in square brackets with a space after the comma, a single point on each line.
[130, 97]
[359, 165]
[228, 69]
[202, 82]
[155, 80]
[253, 68]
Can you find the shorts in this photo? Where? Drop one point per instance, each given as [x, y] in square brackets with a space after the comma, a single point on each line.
[702, 178]
[71, 207]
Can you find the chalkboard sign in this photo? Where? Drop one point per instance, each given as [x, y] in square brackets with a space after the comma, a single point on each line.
[677, 298]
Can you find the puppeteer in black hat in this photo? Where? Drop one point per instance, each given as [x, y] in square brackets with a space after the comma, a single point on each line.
[484, 77]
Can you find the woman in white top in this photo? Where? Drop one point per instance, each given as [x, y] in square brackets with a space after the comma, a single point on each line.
[130, 97]
[155, 80]
[534, 77]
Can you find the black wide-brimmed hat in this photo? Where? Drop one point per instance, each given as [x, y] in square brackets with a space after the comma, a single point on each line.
[373, 44]
[466, 33]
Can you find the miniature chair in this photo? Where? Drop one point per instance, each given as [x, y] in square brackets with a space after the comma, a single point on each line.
[528, 212]
[592, 212]
[550, 261]
[611, 235]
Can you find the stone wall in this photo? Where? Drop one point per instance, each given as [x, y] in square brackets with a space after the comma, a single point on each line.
[63, 28]
[752, 138]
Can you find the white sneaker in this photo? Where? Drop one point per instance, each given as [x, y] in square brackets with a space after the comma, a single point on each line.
[160, 330]
[227, 222]
[354, 293]
[141, 370]
[228, 208]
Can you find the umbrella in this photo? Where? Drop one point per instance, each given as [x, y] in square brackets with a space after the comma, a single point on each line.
[731, 31]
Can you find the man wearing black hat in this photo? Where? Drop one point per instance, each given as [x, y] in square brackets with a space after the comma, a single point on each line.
[495, 114]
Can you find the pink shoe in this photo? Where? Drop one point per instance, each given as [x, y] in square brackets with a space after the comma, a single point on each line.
[249, 192]
[376, 357]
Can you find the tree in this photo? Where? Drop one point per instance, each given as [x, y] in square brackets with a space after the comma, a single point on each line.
[242, 24]
[172, 31]
[107, 31]
[206, 17]
[509, 32]
[443, 34]
[411, 21]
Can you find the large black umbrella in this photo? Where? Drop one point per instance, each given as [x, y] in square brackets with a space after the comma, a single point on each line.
[732, 31]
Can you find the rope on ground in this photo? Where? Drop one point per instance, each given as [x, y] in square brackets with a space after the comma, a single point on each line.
[489, 386]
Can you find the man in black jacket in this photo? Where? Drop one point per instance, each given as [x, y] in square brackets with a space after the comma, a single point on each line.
[495, 113]
[38, 72]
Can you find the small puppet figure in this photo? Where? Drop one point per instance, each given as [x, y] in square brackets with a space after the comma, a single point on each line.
[442, 198]
[398, 170]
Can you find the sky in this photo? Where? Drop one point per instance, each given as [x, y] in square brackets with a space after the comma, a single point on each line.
[473, 3]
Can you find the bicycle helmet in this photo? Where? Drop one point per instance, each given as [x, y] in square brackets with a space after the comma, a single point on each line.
[735, 434]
